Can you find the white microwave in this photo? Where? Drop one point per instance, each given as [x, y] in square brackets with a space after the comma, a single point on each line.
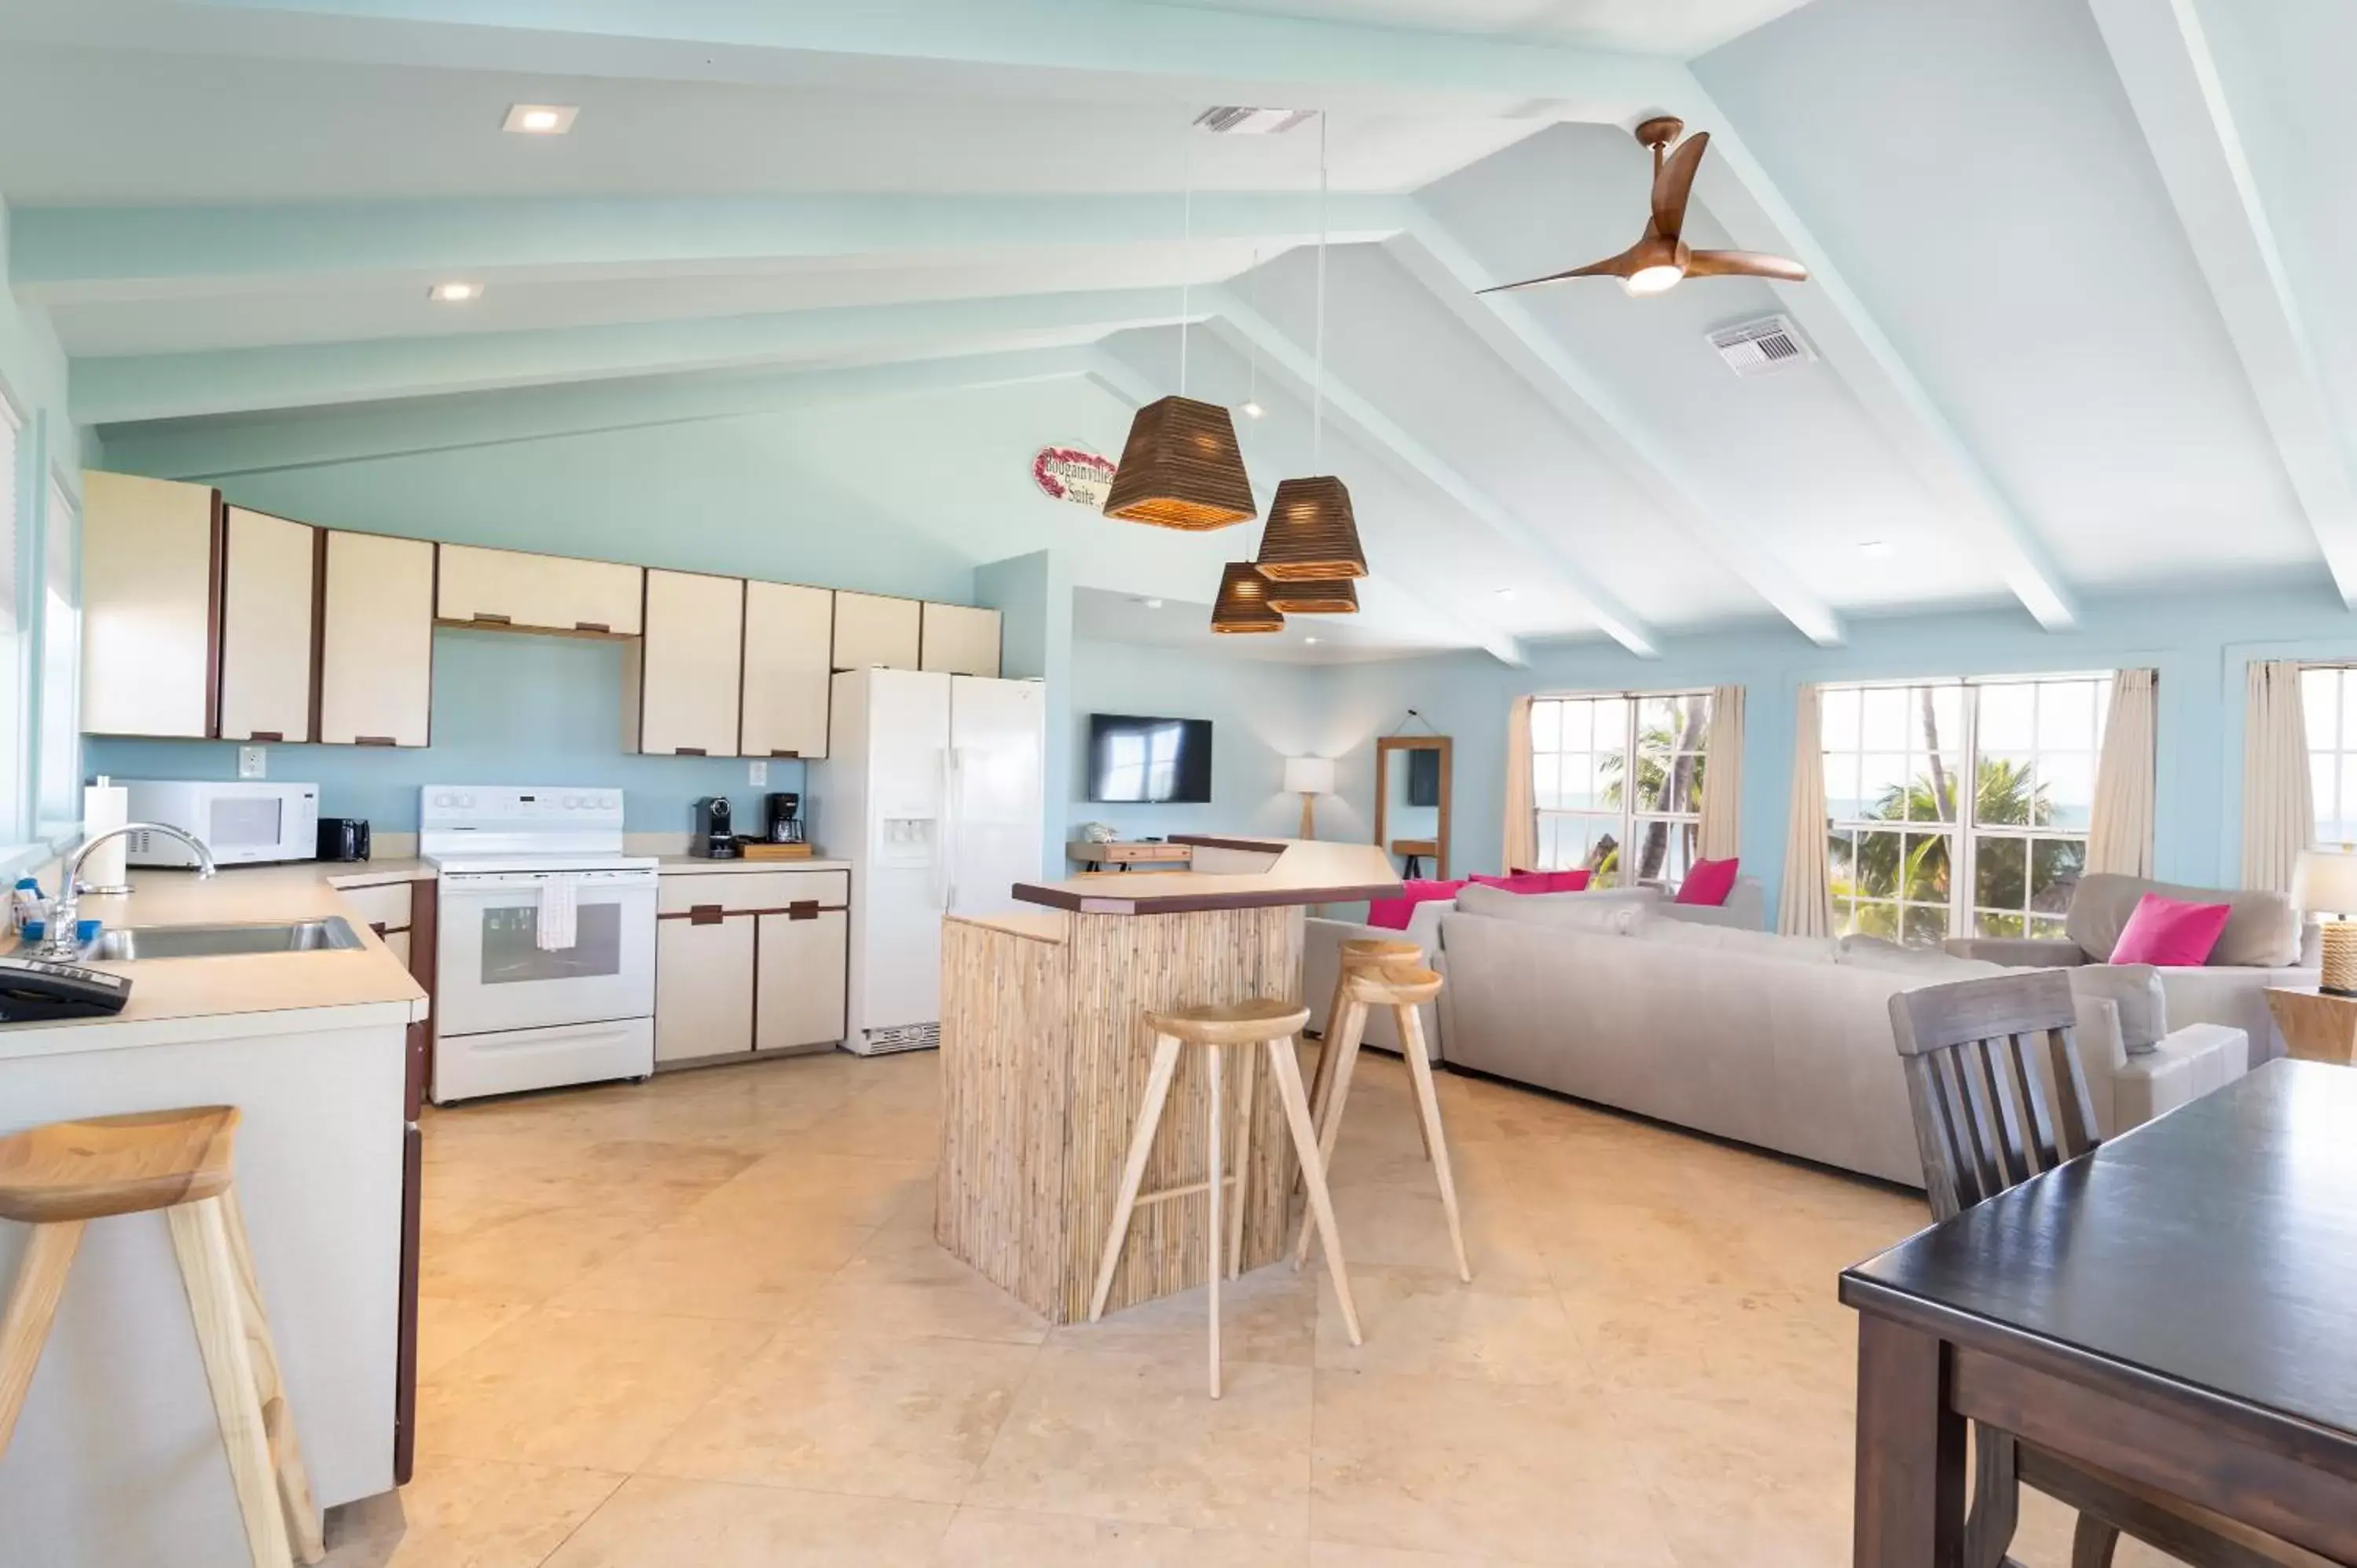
[242, 823]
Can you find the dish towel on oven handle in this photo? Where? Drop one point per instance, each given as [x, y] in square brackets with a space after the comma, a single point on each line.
[557, 927]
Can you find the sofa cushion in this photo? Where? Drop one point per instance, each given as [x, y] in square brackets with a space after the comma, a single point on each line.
[1570, 911]
[1708, 882]
[1926, 966]
[1392, 914]
[2262, 928]
[1734, 939]
[2170, 931]
[2134, 989]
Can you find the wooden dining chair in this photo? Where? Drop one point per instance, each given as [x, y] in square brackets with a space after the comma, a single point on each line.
[1998, 1097]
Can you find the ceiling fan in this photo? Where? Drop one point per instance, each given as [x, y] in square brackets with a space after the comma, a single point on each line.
[1656, 264]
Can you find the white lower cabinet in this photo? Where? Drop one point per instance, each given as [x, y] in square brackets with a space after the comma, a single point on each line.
[703, 988]
[749, 960]
[799, 974]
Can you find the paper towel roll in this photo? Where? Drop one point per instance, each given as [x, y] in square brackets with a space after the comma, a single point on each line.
[104, 806]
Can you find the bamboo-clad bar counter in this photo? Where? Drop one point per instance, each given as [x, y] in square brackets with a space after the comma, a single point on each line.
[1045, 1050]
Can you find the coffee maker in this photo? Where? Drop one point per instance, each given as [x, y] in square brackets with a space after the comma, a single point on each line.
[785, 818]
[715, 838]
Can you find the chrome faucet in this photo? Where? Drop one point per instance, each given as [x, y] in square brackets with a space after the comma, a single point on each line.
[61, 942]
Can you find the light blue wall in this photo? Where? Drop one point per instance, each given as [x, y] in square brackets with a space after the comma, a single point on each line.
[1033, 595]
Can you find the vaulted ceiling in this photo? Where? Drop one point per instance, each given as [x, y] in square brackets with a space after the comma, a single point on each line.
[2079, 308]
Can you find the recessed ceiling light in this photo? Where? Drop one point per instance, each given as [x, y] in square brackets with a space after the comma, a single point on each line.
[454, 293]
[540, 119]
[1506, 593]
[1308, 640]
[1252, 408]
[1151, 604]
[1877, 548]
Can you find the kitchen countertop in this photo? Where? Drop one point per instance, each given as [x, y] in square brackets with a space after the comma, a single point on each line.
[693, 864]
[1298, 872]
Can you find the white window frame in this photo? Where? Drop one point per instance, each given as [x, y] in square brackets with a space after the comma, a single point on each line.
[1629, 820]
[1966, 836]
[2332, 766]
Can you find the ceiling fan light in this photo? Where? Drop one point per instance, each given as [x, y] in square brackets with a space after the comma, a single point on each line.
[1243, 602]
[1312, 534]
[1181, 468]
[1329, 596]
[1657, 279]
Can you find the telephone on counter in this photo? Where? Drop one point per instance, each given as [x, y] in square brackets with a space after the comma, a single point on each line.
[36, 989]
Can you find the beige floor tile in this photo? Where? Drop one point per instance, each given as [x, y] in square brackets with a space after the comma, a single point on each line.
[1406, 1226]
[449, 1326]
[1428, 1321]
[598, 1389]
[808, 1186]
[659, 1523]
[1270, 1315]
[1349, 1554]
[527, 1259]
[904, 1284]
[1455, 1466]
[744, 1271]
[886, 1417]
[1134, 1437]
[467, 1513]
[994, 1538]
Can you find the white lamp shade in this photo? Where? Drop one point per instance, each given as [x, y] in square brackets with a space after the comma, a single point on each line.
[1309, 776]
[2324, 881]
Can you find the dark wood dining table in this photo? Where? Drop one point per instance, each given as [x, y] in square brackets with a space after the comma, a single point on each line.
[2178, 1307]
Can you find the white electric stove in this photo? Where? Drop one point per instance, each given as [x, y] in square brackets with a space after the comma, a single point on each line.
[513, 1011]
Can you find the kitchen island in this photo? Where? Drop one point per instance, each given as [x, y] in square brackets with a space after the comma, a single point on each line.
[1045, 1050]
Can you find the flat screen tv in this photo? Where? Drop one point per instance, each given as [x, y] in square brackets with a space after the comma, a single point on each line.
[1149, 761]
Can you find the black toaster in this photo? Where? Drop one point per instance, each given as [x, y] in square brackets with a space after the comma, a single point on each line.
[343, 838]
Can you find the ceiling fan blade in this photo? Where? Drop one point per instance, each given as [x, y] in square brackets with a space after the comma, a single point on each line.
[1744, 264]
[1618, 266]
[1676, 183]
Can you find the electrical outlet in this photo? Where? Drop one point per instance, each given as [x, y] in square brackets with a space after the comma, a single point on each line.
[252, 761]
[761, 772]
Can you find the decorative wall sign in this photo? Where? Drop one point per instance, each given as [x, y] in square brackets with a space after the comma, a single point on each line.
[1073, 474]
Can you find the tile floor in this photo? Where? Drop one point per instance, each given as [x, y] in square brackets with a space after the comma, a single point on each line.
[701, 1321]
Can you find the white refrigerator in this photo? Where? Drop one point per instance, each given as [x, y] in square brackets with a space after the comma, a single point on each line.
[932, 788]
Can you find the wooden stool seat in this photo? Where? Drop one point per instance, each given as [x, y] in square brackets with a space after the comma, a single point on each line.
[1403, 986]
[1379, 947]
[58, 1177]
[1214, 1028]
[115, 1164]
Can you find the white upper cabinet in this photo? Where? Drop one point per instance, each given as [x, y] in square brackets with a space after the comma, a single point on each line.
[789, 650]
[269, 577]
[870, 630]
[376, 659]
[959, 640]
[542, 593]
[151, 552]
[680, 680]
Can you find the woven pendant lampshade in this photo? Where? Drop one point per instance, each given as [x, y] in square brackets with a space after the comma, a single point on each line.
[1242, 605]
[1181, 468]
[1312, 534]
[1326, 596]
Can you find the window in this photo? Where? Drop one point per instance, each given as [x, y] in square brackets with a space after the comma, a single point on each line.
[2328, 699]
[1581, 783]
[1917, 857]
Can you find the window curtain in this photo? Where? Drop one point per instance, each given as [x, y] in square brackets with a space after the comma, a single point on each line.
[2119, 833]
[1806, 906]
[1722, 776]
[1522, 848]
[2278, 812]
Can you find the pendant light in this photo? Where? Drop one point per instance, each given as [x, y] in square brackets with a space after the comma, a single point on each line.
[1312, 534]
[1242, 605]
[1182, 467]
[1317, 597]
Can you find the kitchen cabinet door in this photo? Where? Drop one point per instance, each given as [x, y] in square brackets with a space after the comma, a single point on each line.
[269, 578]
[376, 645]
[703, 988]
[788, 654]
[871, 630]
[961, 640]
[538, 593]
[800, 998]
[151, 623]
[681, 679]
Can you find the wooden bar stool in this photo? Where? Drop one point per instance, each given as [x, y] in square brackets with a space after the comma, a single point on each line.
[58, 1177]
[1402, 988]
[1359, 953]
[1215, 1028]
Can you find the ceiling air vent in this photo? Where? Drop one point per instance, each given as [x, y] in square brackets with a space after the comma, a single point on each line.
[1756, 347]
[1229, 120]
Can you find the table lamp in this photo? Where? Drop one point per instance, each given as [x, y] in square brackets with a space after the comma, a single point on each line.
[2325, 880]
[1310, 777]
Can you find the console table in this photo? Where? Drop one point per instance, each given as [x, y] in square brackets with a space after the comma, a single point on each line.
[1164, 856]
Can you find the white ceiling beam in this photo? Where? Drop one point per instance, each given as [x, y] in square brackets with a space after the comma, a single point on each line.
[1134, 387]
[2164, 60]
[61, 255]
[1452, 274]
[1740, 193]
[107, 391]
[1424, 465]
[220, 447]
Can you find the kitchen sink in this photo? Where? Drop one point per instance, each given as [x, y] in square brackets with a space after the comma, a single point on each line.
[331, 935]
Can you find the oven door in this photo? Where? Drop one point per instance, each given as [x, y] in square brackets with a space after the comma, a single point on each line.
[491, 973]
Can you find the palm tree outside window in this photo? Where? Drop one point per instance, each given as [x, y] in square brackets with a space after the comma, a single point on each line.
[1581, 784]
[1916, 856]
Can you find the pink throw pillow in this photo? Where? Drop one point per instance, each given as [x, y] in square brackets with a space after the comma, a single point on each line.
[1394, 914]
[1568, 881]
[1518, 882]
[1709, 881]
[2166, 931]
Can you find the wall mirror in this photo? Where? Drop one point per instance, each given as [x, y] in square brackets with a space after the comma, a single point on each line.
[1412, 774]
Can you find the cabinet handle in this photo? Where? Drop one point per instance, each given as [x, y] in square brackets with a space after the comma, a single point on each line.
[704, 915]
[687, 751]
[374, 740]
[488, 619]
[267, 734]
[803, 910]
[592, 625]
[795, 754]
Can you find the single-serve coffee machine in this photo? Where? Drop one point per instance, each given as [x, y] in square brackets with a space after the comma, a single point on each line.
[786, 824]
